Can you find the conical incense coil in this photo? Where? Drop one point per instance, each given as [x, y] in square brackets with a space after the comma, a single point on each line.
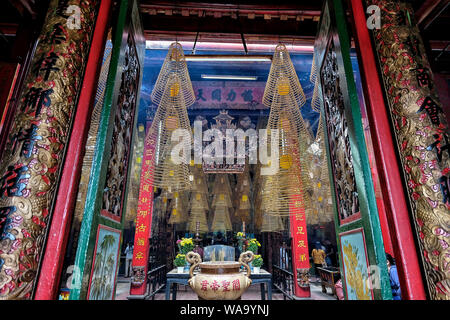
[171, 177]
[174, 62]
[199, 183]
[222, 199]
[282, 67]
[321, 204]
[313, 74]
[221, 184]
[285, 114]
[221, 220]
[316, 100]
[244, 203]
[170, 115]
[178, 212]
[294, 137]
[275, 195]
[197, 215]
[198, 201]
[242, 191]
[271, 223]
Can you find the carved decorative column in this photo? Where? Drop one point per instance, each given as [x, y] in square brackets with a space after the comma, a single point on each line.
[31, 163]
[421, 136]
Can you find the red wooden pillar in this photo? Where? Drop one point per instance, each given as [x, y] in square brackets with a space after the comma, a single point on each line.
[405, 250]
[387, 241]
[300, 254]
[143, 221]
[52, 263]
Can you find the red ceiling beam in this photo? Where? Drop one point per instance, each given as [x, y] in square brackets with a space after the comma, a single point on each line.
[8, 29]
[214, 9]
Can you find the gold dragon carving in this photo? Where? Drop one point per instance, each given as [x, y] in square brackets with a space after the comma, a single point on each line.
[31, 162]
[421, 133]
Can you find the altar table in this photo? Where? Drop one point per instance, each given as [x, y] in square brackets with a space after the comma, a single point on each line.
[173, 277]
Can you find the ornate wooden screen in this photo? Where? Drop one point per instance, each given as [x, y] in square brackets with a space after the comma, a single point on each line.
[102, 219]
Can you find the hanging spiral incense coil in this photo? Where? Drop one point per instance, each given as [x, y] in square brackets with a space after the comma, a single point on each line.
[242, 191]
[221, 184]
[174, 62]
[178, 213]
[200, 200]
[282, 91]
[221, 220]
[271, 223]
[198, 203]
[313, 74]
[316, 100]
[222, 199]
[170, 115]
[291, 177]
[282, 67]
[319, 208]
[244, 203]
[199, 187]
[197, 216]
[199, 183]
[285, 114]
[324, 195]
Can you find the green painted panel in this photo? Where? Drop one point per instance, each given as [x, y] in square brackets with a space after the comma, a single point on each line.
[333, 44]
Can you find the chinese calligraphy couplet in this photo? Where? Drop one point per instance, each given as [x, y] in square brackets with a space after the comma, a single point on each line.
[144, 215]
[300, 254]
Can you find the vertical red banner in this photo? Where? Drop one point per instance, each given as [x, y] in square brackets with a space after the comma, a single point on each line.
[300, 253]
[143, 221]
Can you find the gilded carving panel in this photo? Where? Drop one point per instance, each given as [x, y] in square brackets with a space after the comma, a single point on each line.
[421, 133]
[338, 135]
[31, 161]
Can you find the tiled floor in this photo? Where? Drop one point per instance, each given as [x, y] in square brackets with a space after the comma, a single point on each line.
[253, 293]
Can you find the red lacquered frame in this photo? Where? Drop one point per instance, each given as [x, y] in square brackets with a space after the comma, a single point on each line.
[405, 250]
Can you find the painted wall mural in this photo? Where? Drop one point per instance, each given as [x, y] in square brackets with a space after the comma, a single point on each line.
[340, 152]
[355, 265]
[421, 133]
[104, 267]
[31, 162]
